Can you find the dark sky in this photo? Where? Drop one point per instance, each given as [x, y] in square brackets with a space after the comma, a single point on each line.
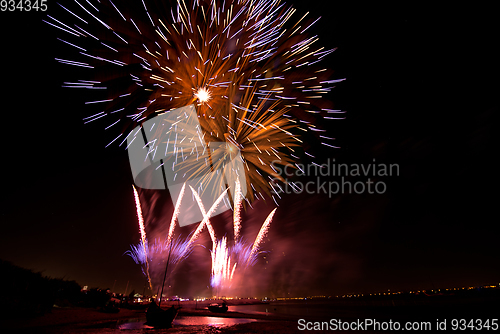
[421, 92]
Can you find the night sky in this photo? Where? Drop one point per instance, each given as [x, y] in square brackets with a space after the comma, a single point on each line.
[421, 92]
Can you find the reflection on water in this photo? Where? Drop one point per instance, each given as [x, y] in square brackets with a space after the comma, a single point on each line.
[188, 321]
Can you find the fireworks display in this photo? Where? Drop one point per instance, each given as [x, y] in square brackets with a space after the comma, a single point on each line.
[250, 69]
[222, 266]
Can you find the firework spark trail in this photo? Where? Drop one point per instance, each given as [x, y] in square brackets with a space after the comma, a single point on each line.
[138, 254]
[262, 233]
[140, 217]
[244, 255]
[238, 200]
[180, 249]
[175, 214]
[222, 268]
[143, 234]
[225, 259]
[251, 73]
[206, 216]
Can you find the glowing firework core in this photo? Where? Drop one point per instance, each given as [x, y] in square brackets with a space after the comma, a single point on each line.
[203, 95]
[229, 262]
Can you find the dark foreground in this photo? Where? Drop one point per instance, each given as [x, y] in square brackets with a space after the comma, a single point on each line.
[281, 317]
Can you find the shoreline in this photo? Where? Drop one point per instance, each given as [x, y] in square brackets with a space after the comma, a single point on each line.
[91, 320]
[75, 319]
